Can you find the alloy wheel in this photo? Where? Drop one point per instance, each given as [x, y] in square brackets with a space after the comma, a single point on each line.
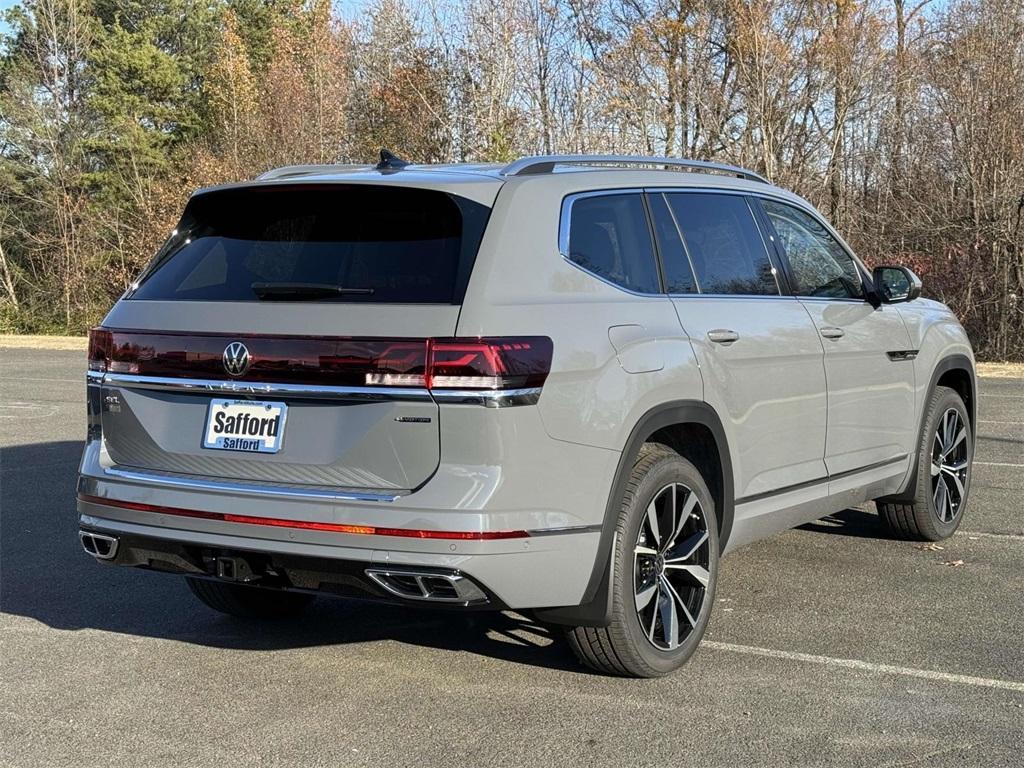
[949, 465]
[671, 562]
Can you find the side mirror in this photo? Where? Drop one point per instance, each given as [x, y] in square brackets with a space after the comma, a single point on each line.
[896, 284]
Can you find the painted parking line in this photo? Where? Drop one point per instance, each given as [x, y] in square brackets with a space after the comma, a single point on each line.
[997, 464]
[987, 535]
[24, 411]
[41, 378]
[867, 666]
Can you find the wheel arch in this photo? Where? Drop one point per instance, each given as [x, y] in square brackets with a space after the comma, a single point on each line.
[693, 429]
[959, 377]
[955, 371]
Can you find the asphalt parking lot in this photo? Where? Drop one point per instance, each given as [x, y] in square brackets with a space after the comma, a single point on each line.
[830, 645]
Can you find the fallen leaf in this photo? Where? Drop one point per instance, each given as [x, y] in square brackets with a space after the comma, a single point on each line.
[954, 563]
[930, 547]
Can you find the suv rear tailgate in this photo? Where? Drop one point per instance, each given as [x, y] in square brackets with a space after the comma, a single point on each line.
[327, 288]
[163, 388]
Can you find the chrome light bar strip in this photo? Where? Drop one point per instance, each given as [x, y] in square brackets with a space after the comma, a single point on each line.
[489, 398]
[217, 386]
[496, 398]
[223, 486]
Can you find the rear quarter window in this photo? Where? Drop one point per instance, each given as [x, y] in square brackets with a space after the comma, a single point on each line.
[608, 235]
[374, 243]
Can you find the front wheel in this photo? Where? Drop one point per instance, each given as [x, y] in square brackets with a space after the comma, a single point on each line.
[665, 570]
[944, 461]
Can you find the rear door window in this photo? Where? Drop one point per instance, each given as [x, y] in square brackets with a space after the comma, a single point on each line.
[327, 243]
[723, 244]
[610, 237]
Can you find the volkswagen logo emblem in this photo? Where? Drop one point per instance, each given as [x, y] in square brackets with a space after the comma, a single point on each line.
[236, 359]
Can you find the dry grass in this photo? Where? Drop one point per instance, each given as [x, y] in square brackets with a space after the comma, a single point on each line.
[1001, 370]
[43, 342]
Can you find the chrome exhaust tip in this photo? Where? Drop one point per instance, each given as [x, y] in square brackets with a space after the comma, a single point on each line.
[429, 586]
[99, 545]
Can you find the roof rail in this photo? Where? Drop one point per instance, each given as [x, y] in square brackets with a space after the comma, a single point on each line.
[529, 166]
[289, 171]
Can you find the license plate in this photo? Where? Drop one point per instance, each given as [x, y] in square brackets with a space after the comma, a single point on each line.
[245, 425]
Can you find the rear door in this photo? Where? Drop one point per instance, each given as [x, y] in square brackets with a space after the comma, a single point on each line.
[871, 418]
[302, 311]
[760, 355]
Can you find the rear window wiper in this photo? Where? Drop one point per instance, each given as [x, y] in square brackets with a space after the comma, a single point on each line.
[303, 291]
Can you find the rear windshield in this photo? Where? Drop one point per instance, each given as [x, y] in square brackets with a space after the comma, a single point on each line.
[351, 243]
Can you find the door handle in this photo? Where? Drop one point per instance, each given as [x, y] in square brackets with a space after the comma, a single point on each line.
[833, 333]
[723, 336]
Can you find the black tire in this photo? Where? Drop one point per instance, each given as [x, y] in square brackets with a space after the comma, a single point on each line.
[249, 602]
[925, 516]
[625, 647]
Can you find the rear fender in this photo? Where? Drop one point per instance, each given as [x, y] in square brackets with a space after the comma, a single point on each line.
[595, 608]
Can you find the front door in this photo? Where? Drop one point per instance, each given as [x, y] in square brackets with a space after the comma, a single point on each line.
[869, 371]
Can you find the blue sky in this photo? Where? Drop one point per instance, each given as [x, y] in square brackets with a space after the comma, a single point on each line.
[349, 8]
[4, 5]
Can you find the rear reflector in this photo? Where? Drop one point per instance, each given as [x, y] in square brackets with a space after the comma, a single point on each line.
[100, 341]
[276, 522]
[489, 363]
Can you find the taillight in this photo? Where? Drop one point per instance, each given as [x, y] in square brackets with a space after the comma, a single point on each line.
[483, 363]
[399, 364]
[488, 363]
[100, 343]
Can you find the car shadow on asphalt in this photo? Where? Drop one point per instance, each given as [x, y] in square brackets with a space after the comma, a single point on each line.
[45, 575]
[850, 522]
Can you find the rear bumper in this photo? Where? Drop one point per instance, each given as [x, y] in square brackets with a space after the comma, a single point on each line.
[535, 571]
[441, 587]
[500, 473]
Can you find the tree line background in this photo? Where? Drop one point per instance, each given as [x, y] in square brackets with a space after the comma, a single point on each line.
[902, 121]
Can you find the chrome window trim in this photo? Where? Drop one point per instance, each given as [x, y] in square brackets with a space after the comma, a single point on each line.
[769, 193]
[608, 282]
[233, 487]
[734, 296]
[832, 299]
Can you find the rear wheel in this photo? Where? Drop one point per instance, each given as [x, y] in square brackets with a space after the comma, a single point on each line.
[943, 474]
[665, 570]
[247, 601]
